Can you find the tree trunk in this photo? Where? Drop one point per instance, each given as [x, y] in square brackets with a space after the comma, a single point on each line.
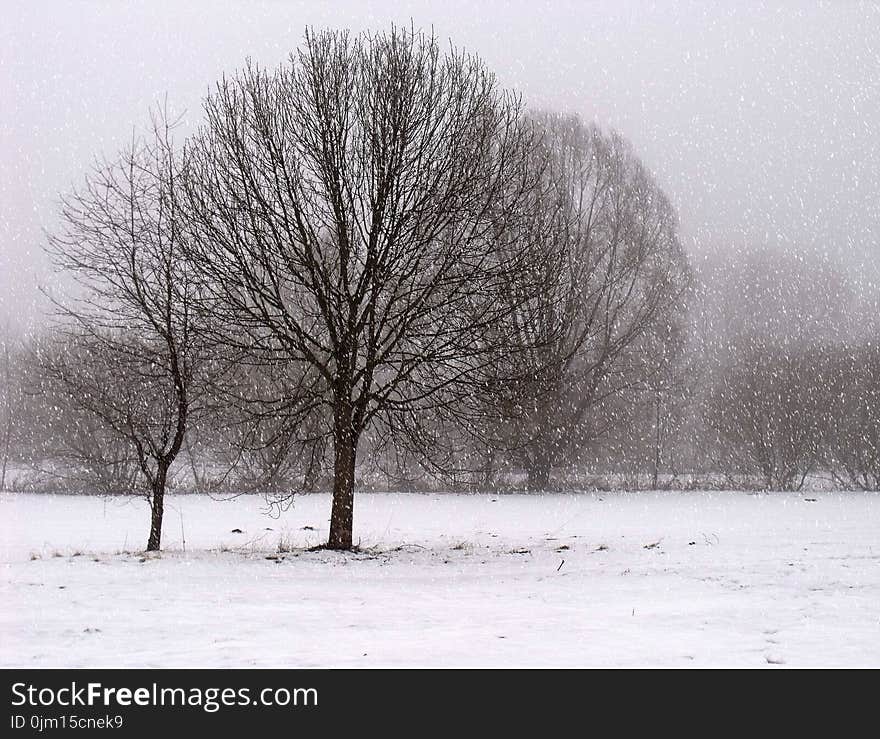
[311, 476]
[658, 442]
[157, 507]
[539, 473]
[5, 461]
[489, 470]
[344, 452]
[197, 478]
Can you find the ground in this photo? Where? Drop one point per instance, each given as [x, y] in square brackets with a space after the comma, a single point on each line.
[592, 579]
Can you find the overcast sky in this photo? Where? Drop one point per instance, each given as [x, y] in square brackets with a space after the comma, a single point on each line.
[761, 120]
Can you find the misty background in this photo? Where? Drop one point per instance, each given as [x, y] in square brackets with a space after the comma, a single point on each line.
[760, 120]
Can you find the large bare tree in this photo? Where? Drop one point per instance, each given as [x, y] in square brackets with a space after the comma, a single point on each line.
[344, 211]
[133, 357]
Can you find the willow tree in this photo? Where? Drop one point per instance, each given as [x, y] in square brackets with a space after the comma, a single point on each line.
[612, 275]
[344, 208]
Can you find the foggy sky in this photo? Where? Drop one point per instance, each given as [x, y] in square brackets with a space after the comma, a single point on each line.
[761, 120]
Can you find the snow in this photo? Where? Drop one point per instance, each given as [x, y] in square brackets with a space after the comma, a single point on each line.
[589, 579]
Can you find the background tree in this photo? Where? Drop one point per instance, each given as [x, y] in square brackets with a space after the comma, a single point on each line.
[613, 274]
[344, 211]
[273, 434]
[758, 312]
[771, 413]
[853, 453]
[131, 355]
[70, 436]
[648, 422]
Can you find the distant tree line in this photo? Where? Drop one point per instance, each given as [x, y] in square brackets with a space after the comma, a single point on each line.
[371, 266]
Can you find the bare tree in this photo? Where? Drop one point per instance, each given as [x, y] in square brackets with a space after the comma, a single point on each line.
[647, 421]
[853, 449]
[770, 412]
[70, 443]
[613, 273]
[267, 435]
[344, 207]
[133, 356]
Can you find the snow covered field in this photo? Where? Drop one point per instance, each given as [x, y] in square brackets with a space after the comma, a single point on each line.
[610, 579]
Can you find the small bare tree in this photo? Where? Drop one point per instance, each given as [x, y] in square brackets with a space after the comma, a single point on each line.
[134, 358]
[344, 214]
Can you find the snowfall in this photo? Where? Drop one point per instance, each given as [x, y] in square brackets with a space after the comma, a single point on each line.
[655, 579]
